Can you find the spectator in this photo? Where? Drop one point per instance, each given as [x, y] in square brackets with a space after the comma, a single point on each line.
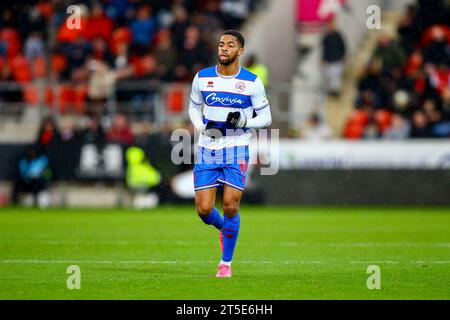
[398, 130]
[438, 51]
[235, 12]
[34, 46]
[420, 127]
[48, 134]
[101, 81]
[194, 55]
[371, 131]
[120, 131]
[94, 133]
[259, 69]
[100, 51]
[409, 29]
[333, 55]
[34, 175]
[318, 130]
[143, 29]
[166, 56]
[98, 25]
[389, 52]
[179, 26]
[142, 178]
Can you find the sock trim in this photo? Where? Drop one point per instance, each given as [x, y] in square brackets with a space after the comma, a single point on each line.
[228, 263]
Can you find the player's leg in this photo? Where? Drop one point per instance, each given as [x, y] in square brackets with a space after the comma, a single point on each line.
[204, 204]
[231, 225]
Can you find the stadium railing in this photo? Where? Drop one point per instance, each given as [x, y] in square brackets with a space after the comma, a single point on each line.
[140, 100]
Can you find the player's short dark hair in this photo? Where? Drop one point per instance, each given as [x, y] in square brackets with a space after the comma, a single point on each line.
[237, 35]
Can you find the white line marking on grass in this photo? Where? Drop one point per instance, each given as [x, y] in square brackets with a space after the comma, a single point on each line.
[376, 262]
[431, 262]
[38, 261]
[265, 244]
[169, 262]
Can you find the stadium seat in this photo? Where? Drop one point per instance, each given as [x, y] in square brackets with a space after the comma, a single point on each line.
[59, 63]
[20, 69]
[66, 98]
[70, 35]
[360, 117]
[120, 35]
[39, 67]
[31, 94]
[383, 119]
[174, 99]
[11, 37]
[353, 131]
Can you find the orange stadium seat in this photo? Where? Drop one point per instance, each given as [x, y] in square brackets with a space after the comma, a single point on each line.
[70, 35]
[59, 63]
[120, 35]
[175, 99]
[12, 39]
[353, 131]
[20, 68]
[39, 67]
[31, 94]
[383, 119]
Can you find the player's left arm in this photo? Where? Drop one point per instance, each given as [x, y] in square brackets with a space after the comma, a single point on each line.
[261, 106]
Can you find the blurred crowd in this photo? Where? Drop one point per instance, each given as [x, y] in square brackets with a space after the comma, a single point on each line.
[158, 40]
[404, 92]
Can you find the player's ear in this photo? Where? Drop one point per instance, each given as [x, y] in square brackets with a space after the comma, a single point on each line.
[240, 51]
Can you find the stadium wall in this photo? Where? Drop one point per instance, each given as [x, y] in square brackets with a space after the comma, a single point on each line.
[332, 173]
[403, 187]
[271, 35]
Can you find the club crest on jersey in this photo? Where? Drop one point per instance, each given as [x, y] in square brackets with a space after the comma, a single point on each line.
[210, 84]
[239, 86]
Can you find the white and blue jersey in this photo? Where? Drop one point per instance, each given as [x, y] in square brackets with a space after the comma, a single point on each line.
[219, 95]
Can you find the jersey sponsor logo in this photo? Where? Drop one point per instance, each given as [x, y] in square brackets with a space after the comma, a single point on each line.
[210, 84]
[239, 86]
[225, 100]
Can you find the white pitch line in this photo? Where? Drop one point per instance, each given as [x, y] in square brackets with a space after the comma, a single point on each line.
[376, 262]
[36, 261]
[293, 262]
[274, 243]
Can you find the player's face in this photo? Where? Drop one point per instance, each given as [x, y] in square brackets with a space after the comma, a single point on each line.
[229, 50]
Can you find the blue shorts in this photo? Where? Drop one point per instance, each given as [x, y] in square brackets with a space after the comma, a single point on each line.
[214, 168]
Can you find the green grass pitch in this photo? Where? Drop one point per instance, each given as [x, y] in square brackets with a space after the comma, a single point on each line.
[282, 253]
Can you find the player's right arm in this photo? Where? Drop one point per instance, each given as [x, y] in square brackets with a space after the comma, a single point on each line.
[195, 112]
[195, 106]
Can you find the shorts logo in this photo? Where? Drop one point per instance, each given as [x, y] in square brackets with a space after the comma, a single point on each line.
[239, 86]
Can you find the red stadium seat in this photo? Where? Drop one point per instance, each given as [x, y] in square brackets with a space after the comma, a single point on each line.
[20, 68]
[12, 39]
[39, 67]
[175, 99]
[353, 131]
[59, 63]
[120, 35]
[360, 117]
[383, 119]
[70, 35]
[31, 94]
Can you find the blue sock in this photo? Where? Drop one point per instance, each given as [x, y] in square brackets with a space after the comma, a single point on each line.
[214, 218]
[230, 235]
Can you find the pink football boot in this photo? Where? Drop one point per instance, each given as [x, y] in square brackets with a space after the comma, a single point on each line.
[224, 271]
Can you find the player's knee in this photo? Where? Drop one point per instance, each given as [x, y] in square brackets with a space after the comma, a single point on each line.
[230, 209]
[203, 209]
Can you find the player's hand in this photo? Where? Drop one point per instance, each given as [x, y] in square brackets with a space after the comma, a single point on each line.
[236, 120]
[212, 130]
